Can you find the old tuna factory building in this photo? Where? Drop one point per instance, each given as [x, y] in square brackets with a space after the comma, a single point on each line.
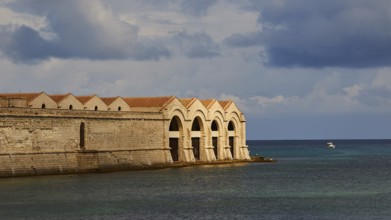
[53, 134]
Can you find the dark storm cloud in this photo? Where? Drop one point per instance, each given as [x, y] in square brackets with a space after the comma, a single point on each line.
[25, 43]
[82, 29]
[197, 45]
[244, 40]
[308, 33]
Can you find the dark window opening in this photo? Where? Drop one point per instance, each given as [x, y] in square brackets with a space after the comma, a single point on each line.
[232, 145]
[174, 145]
[96, 108]
[82, 135]
[43, 106]
[214, 126]
[70, 107]
[196, 125]
[119, 108]
[174, 142]
[174, 125]
[231, 126]
[195, 142]
[215, 141]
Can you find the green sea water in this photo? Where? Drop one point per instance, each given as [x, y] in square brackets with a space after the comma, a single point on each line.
[309, 181]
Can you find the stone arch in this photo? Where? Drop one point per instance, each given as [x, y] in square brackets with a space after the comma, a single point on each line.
[43, 106]
[198, 137]
[219, 114]
[175, 131]
[96, 108]
[215, 127]
[70, 107]
[217, 136]
[233, 136]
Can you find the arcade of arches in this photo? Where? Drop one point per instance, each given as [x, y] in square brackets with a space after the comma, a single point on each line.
[198, 139]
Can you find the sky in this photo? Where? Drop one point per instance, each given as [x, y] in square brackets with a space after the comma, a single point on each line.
[298, 69]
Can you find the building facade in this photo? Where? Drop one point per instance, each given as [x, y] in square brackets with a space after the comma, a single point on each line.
[63, 133]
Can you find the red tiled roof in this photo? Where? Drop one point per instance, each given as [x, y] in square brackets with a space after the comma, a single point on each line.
[208, 102]
[148, 101]
[84, 99]
[58, 97]
[108, 100]
[225, 103]
[28, 96]
[187, 101]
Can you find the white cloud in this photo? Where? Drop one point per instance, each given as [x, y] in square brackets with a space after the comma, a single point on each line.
[382, 79]
[265, 101]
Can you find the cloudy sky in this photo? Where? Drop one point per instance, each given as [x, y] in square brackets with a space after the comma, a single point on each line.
[299, 69]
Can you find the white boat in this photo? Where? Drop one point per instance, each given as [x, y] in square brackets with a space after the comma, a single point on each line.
[330, 145]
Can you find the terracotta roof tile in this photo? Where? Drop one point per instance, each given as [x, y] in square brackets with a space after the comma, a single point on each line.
[187, 101]
[208, 102]
[28, 96]
[108, 100]
[148, 101]
[58, 97]
[225, 103]
[84, 99]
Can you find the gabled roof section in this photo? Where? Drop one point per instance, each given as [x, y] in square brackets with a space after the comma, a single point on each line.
[28, 96]
[208, 102]
[109, 100]
[84, 99]
[187, 102]
[59, 97]
[225, 103]
[148, 101]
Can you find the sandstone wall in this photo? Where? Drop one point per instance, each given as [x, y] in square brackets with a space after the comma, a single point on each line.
[40, 141]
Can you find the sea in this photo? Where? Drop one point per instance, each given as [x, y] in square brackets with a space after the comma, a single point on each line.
[308, 181]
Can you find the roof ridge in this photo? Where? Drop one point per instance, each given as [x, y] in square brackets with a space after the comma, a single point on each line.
[63, 96]
[168, 102]
[211, 102]
[228, 103]
[110, 100]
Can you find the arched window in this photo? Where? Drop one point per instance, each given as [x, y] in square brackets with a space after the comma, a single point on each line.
[174, 137]
[231, 138]
[196, 138]
[215, 138]
[214, 126]
[82, 135]
[43, 106]
[70, 107]
[196, 125]
[96, 108]
[119, 108]
[231, 126]
[174, 125]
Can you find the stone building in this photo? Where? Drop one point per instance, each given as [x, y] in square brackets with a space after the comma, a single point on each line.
[63, 133]
[67, 101]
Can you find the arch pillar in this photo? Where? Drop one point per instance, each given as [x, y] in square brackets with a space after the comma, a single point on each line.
[187, 148]
[213, 140]
[243, 147]
[209, 148]
[226, 151]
